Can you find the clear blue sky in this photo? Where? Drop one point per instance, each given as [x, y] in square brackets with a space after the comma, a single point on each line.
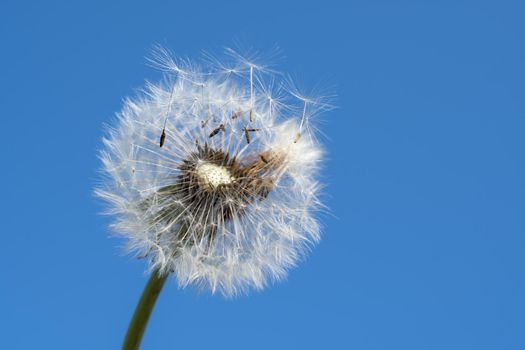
[425, 248]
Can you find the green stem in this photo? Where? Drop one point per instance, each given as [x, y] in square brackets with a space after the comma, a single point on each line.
[143, 311]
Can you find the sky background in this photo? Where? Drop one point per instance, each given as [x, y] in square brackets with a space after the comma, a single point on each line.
[424, 248]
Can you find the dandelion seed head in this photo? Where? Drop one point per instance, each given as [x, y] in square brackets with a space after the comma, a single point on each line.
[228, 200]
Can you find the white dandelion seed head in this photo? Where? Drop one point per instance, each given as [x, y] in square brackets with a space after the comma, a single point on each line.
[228, 202]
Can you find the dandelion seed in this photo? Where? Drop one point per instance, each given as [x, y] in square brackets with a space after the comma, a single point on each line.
[236, 115]
[251, 93]
[216, 130]
[216, 205]
[162, 137]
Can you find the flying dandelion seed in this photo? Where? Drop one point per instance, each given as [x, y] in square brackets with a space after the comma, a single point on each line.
[212, 175]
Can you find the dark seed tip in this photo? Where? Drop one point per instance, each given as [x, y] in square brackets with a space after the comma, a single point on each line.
[162, 138]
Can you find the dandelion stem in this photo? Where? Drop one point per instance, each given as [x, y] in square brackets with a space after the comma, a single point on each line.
[143, 311]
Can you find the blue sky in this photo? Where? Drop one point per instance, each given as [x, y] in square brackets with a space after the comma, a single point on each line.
[424, 249]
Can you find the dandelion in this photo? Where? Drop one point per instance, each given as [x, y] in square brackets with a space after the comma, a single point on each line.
[211, 175]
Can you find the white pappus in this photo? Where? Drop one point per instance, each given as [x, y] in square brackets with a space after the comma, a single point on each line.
[212, 174]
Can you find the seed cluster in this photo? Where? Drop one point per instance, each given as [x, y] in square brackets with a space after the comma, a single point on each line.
[211, 174]
[213, 187]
